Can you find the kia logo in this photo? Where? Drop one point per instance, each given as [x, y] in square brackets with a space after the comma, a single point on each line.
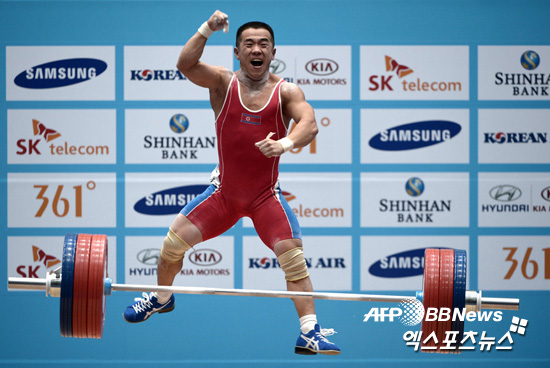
[205, 257]
[322, 67]
[545, 194]
[505, 193]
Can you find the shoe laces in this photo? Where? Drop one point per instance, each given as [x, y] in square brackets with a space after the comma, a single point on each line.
[326, 332]
[142, 303]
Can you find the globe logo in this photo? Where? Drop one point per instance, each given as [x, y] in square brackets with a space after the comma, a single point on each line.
[179, 123]
[414, 187]
[530, 60]
[413, 312]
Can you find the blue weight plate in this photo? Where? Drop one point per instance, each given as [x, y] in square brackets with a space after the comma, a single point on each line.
[459, 294]
[67, 276]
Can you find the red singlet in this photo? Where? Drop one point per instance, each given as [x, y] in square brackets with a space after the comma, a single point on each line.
[245, 182]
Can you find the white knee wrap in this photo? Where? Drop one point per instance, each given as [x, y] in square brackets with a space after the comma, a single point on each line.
[173, 248]
[293, 264]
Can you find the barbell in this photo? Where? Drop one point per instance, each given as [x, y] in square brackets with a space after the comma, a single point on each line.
[82, 284]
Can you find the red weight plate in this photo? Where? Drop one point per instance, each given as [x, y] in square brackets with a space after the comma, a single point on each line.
[446, 289]
[96, 294]
[80, 284]
[430, 287]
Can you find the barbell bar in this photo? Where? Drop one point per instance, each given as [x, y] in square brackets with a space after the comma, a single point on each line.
[52, 284]
[82, 283]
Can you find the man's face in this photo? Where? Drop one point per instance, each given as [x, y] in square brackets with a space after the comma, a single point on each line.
[255, 52]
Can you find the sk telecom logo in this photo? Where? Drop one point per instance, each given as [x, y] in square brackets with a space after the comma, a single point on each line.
[288, 196]
[394, 66]
[29, 146]
[382, 82]
[38, 256]
[40, 129]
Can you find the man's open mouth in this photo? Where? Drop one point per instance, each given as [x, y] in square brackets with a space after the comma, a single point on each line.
[257, 62]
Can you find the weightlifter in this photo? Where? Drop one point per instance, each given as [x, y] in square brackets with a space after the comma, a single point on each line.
[253, 109]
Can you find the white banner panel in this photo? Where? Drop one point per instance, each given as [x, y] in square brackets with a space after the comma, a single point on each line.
[209, 264]
[514, 262]
[513, 72]
[154, 199]
[174, 136]
[35, 256]
[514, 199]
[514, 136]
[328, 259]
[415, 73]
[61, 136]
[317, 199]
[397, 262]
[334, 126]
[61, 200]
[322, 72]
[150, 72]
[415, 136]
[58, 73]
[415, 199]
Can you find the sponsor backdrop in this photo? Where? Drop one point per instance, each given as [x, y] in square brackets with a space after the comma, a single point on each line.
[434, 131]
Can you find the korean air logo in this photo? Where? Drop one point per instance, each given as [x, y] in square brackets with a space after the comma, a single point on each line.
[60, 73]
[415, 135]
[516, 137]
[147, 75]
[505, 193]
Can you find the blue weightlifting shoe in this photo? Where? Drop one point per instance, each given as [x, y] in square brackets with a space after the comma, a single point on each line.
[315, 342]
[145, 307]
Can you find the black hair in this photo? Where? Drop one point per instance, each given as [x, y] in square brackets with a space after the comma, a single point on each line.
[255, 25]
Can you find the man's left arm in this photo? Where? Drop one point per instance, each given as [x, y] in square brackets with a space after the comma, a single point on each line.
[298, 109]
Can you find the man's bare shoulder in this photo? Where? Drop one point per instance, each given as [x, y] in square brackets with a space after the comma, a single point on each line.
[224, 73]
[290, 91]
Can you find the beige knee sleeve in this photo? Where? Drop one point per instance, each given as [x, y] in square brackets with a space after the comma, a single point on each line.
[173, 248]
[293, 264]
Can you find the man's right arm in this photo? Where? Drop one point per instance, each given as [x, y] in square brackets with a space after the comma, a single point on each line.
[189, 63]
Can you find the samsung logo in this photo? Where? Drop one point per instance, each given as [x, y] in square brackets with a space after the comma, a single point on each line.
[415, 135]
[169, 201]
[60, 73]
[404, 264]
